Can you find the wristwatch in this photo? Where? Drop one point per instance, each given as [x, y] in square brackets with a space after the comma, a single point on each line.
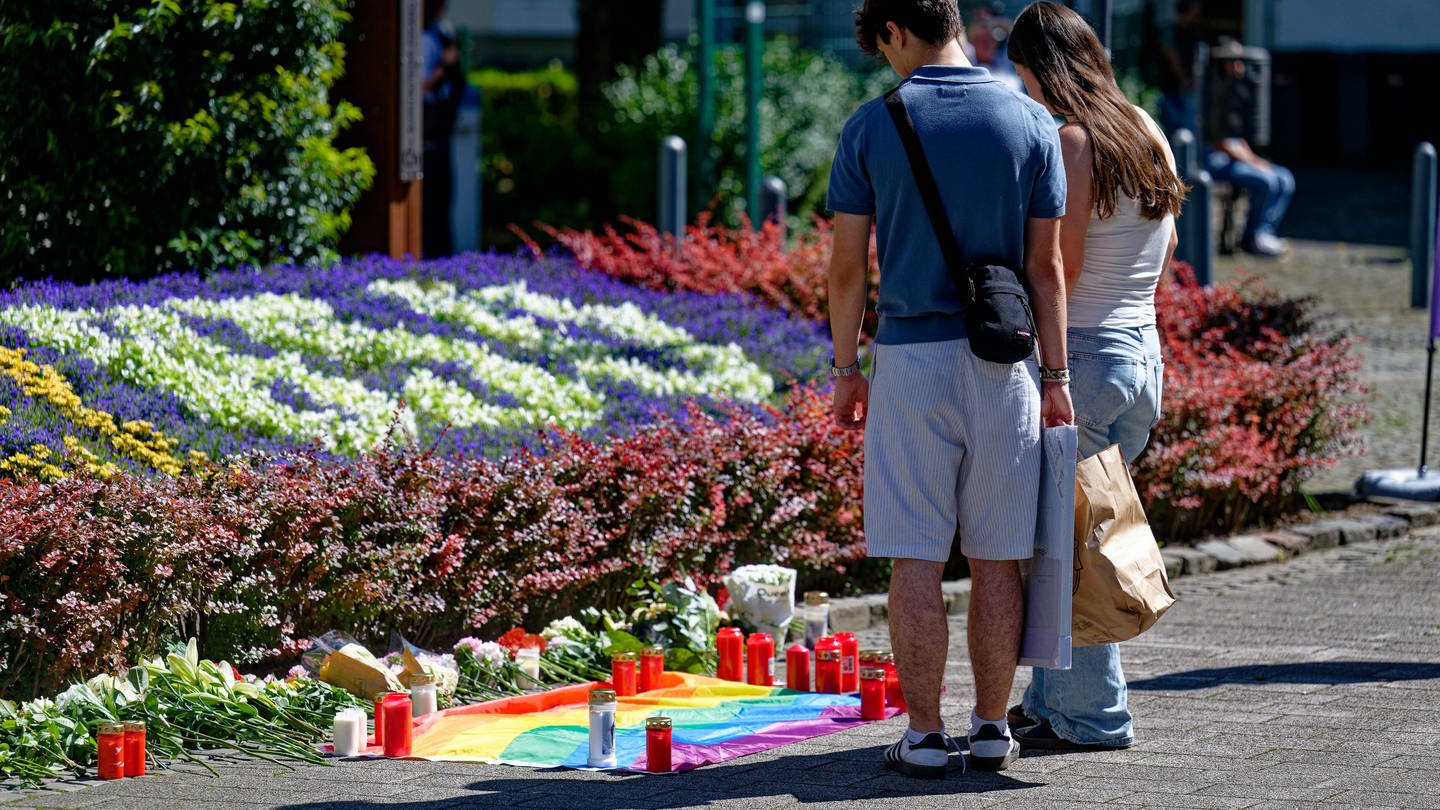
[848, 371]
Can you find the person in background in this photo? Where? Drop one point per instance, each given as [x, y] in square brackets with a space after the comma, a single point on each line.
[951, 441]
[441, 82]
[1179, 28]
[985, 37]
[1231, 160]
[1116, 238]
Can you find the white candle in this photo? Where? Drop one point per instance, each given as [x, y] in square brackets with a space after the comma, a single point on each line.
[529, 660]
[349, 732]
[422, 695]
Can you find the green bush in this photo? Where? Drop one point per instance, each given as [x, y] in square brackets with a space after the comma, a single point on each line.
[804, 102]
[538, 165]
[143, 135]
[531, 155]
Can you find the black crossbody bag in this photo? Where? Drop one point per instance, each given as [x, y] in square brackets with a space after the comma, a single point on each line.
[996, 306]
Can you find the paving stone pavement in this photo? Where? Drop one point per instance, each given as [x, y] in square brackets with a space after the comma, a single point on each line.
[1309, 683]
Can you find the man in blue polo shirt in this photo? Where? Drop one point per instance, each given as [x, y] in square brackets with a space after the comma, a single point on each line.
[951, 441]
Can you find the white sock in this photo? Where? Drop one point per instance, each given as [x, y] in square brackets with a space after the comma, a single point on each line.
[913, 737]
[976, 721]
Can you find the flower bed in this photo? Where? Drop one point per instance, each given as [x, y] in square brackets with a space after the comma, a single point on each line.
[256, 556]
[482, 351]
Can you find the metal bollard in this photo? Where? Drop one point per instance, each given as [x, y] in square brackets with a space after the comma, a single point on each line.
[465, 162]
[1422, 224]
[773, 195]
[1197, 242]
[671, 217]
[754, 50]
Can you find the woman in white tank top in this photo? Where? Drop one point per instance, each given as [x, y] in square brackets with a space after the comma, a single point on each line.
[1117, 235]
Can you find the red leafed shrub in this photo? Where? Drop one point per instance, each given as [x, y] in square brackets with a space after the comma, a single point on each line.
[1256, 400]
[92, 571]
[256, 558]
[713, 259]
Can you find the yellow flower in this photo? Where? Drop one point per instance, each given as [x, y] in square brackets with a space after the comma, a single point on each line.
[136, 438]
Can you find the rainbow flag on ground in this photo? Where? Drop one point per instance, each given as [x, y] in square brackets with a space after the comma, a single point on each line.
[714, 721]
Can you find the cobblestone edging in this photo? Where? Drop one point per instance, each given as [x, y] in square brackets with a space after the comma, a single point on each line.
[1394, 518]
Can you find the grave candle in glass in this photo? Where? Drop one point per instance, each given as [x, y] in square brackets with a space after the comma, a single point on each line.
[602, 728]
[849, 662]
[826, 643]
[797, 668]
[760, 658]
[827, 671]
[423, 699]
[872, 694]
[652, 668]
[396, 717]
[657, 744]
[379, 727]
[622, 673]
[528, 659]
[893, 694]
[110, 740]
[134, 748]
[816, 614]
[730, 643]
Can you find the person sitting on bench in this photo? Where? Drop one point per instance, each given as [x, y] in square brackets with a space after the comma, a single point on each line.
[1231, 160]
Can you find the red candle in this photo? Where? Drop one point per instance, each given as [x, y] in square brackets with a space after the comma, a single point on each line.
[825, 643]
[872, 694]
[657, 744]
[652, 668]
[135, 749]
[110, 742]
[760, 655]
[379, 726]
[730, 643]
[395, 717]
[893, 695]
[622, 673]
[797, 668]
[827, 671]
[849, 662]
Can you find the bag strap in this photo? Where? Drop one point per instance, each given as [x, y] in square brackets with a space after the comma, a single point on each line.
[929, 191]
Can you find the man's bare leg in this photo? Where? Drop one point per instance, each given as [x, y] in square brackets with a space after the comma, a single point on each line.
[997, 611]
[920, 636]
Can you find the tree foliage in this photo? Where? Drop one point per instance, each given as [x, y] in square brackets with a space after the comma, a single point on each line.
[143, 135]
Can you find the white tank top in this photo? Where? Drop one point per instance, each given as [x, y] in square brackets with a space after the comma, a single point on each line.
[1123, 255]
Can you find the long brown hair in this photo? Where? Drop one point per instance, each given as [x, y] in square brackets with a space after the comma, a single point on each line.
[1056, 45]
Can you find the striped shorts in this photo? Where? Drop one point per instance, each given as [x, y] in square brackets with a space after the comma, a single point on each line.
[952, 442]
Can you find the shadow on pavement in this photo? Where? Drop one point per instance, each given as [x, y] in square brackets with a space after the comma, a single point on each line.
[1315, 672]
[848, 775]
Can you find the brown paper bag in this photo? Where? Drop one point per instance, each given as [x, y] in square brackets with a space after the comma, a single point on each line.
[1120, 584]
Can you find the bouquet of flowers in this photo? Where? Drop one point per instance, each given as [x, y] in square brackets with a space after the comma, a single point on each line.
[763, 598]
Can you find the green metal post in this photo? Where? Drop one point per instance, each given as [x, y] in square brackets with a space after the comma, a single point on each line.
[705, 70]
[754, 45]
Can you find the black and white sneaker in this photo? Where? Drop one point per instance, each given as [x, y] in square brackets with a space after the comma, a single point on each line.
[991, 749]
[923, 760]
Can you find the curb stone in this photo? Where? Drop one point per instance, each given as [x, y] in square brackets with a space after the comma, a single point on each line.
[1399, 518]
[1418, 515]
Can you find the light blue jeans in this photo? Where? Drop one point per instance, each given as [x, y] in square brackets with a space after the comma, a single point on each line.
[1117, 374]
[1270, 191]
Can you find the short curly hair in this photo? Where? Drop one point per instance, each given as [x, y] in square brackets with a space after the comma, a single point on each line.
[935, 21]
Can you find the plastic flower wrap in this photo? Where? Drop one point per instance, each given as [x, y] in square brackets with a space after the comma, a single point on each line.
[763, 597]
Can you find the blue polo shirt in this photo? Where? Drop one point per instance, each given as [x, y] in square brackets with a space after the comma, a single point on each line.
[995, 155]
